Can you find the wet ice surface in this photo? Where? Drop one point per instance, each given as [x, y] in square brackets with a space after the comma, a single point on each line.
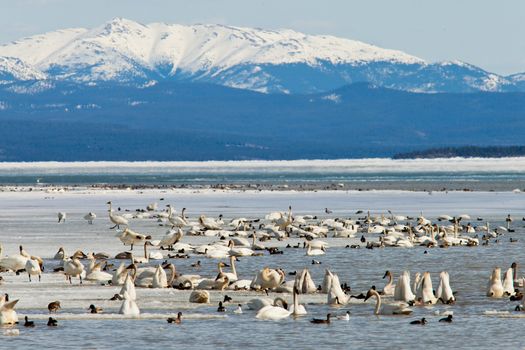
[30, 219]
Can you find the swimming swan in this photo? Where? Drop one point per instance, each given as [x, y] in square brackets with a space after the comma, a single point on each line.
[495, 287]
[387, 309]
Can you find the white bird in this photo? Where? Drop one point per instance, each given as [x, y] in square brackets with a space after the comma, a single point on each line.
[73, 268]
[312, 252]
[116, 219]
[495, 287]
[177, 221]
[33, 268]
[387, 309]
[238, 310]
[89, 217]
[129, 307]
[296, 308]
[271, 312]
[345, 317]
[390, 287]
[61, 217]
[8, 314]
[97, 275]
[131, 237]
[444, 292]
[15, 262]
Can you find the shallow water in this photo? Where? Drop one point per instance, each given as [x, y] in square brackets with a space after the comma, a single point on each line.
[30, 218]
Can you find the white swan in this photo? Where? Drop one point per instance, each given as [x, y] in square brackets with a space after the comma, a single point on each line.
[209, 223]
[8, 314]
[403, 291]
[15, 262]
[241, 251]
[129, 288]
[96, 274]
[33, 268]
[177, 221]
[335, 295]
[116, 219]
[387, 309]
[444, 292]
[508, 282]
[119, 275]
[312, 252]
[495, 287]
[273, 313]
[232, 276]
[129, 237]
[305, 283]
[73, 268]
[296, 308]
[171, 238]
[129, 307]
[160, 280]
[268, 279]
[427, 291]
[390, 287]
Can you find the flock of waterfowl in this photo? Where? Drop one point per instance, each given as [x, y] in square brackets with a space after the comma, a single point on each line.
[249, 237]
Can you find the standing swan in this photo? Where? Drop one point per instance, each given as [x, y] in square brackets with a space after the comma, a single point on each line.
[116, 219]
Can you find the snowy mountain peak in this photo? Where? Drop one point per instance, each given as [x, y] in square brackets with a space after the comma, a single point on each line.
[12, 69]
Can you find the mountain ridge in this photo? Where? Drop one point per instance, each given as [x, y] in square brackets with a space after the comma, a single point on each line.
[269, 61]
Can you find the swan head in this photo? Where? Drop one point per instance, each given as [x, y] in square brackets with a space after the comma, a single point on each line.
[387, 274]
[514, 265]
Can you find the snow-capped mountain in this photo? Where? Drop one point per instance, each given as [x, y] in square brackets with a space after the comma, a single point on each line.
[13, 69]
[263, 60]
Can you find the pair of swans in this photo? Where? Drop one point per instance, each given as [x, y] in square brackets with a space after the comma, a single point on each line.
[94, 272]
[129, 305]
[268, 279]
[177, 221]
[332, 286]
[279, 311]
[497, 289]
[152, 277]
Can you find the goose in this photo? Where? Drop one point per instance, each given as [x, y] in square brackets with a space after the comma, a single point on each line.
[33, 268]
[61, 217]
[131, 237]
[129, 307]
[60, 255]
[321, 321]
[312, 252]
[268, 279]
[387, 309]
[8, 314]
[389, 288]
[116, 219]
[200, 297]
[495, 287]
[73, 268]
[89, 217]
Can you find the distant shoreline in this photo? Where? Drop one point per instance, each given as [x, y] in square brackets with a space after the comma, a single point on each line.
[464, 152]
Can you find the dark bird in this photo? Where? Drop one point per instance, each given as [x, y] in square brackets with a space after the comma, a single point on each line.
[315, 262]
[197, 264]
[51, 322]
[328, 211]
[176, 320]
[227, 299]
[54, 306]
[422, 321]
[28, 323]
[446, 319]
[363, 239]
[116, 297]
[95, 310]
[358, 212]
[221, 308]
[320, 320]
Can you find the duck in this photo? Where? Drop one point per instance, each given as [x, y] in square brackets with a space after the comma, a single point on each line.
[28, 323]
[344, 317]
[446, 319]
[387, 309]
[176, 320]
[422, 321]
[51, 322]
[238, 310]
[54, 306]
[61, 217]
[321, 321]
[116, 219]
[221, 308]
[94, 310]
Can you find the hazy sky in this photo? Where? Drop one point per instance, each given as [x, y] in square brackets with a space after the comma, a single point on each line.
[487, 33]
